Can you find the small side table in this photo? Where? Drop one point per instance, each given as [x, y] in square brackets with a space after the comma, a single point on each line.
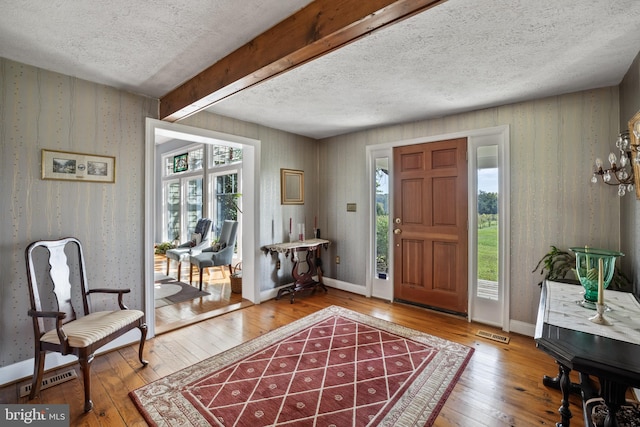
[302, 280]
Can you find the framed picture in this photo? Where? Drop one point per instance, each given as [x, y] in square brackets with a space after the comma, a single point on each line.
[291, 187]
[66, 166]
[180, 163]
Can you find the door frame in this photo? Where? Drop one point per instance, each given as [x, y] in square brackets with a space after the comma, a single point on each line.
[250, 195]
[501, 136]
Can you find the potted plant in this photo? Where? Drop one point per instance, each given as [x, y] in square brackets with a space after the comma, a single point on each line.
[559, 265]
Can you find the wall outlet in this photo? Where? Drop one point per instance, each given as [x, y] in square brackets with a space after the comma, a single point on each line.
[337, 260]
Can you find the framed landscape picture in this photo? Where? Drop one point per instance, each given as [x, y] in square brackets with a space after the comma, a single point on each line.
[62, 165]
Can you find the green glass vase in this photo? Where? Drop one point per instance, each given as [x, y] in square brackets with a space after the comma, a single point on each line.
[587, 262]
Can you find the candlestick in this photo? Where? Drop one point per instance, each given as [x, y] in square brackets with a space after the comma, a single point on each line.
[600, 281]
[289, 225]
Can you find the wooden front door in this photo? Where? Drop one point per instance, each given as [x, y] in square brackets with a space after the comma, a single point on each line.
[430, 224]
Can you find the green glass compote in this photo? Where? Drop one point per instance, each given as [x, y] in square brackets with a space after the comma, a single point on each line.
[587, 261]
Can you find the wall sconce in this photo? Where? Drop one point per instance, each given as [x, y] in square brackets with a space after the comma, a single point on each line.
[623, 171]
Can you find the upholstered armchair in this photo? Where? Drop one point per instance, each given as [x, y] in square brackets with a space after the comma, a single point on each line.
[200, 239]
[220, 254]
[62, 314]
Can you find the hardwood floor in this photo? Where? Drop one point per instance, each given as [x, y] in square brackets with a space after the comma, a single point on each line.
[501, 386]
[220, 299]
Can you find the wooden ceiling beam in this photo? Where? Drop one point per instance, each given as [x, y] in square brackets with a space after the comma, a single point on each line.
[317, 29]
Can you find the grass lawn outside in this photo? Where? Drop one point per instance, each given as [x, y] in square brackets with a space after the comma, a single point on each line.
[488, 253]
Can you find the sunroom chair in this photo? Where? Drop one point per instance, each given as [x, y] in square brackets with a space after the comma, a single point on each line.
[200, 239]
[61, 309]
[220, 254]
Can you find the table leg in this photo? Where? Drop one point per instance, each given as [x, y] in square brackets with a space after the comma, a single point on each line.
[304, 280]
[554, 382]
[614, 397]
[565, 388]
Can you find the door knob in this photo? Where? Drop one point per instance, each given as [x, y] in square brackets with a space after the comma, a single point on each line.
[397, 231]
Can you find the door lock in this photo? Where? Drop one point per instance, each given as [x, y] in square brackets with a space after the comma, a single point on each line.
[397, 221]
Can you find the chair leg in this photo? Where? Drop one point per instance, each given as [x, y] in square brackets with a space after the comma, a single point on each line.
[168, 263]
[38, 371]
[85, 367]
[201, 270]
[179, 268]
[143, 338]
[230, 270]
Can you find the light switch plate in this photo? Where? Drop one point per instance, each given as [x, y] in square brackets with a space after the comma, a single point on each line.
[351, 207]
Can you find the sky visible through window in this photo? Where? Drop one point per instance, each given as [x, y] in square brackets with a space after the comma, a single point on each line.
[488, 180]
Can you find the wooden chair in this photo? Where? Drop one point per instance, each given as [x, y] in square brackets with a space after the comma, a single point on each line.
[63, 321]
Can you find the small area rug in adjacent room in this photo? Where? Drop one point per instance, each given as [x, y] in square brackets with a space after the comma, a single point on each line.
[168, 290]
[334, 367]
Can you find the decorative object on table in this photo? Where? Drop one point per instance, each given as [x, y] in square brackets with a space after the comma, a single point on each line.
[621, 171]
[61, 165]
[291, 187]
[599, 316]
[381, 373]
[588, 271]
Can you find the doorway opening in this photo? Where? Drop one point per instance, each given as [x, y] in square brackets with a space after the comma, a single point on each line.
[201, 180]
[191, 174]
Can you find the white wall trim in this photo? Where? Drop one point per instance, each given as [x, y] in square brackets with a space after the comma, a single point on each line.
[500, 132]
[23, 370]
[522, 328]
[250, 191]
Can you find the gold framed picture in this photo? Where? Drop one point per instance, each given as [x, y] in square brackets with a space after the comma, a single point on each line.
[66, 166]
[291, 187]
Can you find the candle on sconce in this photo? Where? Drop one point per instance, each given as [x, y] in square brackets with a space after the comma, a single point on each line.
[600, 282]
[289, 225]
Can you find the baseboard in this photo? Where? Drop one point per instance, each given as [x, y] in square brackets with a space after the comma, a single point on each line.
[24, 370]
[522, 328]
[345, 286]
[329, 282]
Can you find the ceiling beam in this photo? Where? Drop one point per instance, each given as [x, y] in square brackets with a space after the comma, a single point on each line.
[317, 29]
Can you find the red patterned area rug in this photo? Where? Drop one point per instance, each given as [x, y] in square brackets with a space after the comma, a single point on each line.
[335, 367]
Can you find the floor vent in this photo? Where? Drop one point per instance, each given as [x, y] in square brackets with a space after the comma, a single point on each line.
[495, 337]
[50, 381]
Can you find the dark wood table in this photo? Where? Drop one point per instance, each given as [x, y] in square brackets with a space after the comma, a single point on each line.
[303, 280]
[585, 349]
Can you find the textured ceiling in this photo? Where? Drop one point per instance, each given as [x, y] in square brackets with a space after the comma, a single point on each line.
[459, 56]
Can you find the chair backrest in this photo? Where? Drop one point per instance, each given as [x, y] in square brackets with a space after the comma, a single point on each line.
[228, 233]
[203, 226]
[57, 279]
